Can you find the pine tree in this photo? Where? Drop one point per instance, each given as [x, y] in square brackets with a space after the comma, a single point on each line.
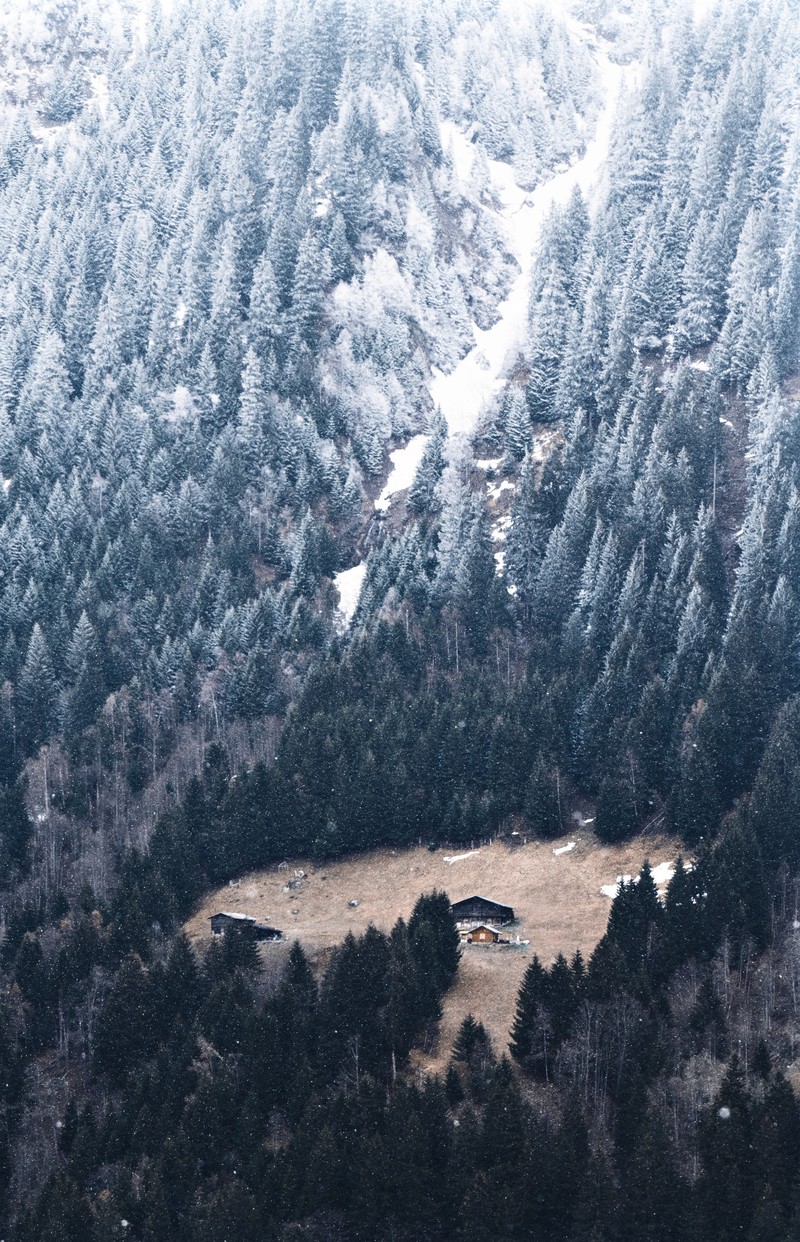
[127, 1028]
[422, 495]
[529, 1003]
[547, 334]
[618, 812]
[727, 1179]
[37, 693]
[517, 436]
[311, 277]
[542, 801]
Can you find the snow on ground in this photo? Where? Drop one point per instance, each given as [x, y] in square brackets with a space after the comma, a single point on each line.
[489, 463]
[460, 147]
[349, 583]
[565, 849]
[478, 378]
[404, 466]
[48, 135]
[460, 857]
[611, 890]
[496, 489]
[662, 874]
[544, 444]
[100, 93]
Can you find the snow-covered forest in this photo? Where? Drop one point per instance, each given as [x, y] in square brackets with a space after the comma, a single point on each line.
[233, 253]
[399, 441]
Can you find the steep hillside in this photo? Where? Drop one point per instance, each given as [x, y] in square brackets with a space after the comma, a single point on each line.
[234, 251]
[399, 453]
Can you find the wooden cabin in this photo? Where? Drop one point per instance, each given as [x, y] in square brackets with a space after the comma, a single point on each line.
[482, 934]
[474, 910]
[221, 922]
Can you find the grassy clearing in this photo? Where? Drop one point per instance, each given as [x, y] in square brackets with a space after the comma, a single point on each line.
[556, 897]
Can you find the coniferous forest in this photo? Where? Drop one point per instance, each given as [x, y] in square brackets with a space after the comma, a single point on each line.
[399, 440]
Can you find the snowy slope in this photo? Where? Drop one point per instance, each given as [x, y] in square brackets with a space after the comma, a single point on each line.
[476, 381]
[472, 386]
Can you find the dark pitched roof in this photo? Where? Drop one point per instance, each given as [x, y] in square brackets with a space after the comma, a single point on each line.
[498, 905]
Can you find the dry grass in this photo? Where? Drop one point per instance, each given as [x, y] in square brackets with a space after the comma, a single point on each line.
[556, 898]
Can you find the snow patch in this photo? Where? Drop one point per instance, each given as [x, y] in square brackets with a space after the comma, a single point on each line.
[460, 147]
[100, 94]
[544, 445]
[500, 529]
[565, 849]
[495, 490]
[405, 463]
[182, 404]
[611, 890]
[489, 463]
[452, 858]
[349, 583]
[662, 874]
[701, 10]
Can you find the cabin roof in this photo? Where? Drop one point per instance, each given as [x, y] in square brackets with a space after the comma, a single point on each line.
[477, 897]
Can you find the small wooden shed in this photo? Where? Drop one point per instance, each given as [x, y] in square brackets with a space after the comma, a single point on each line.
[221, 922]
[482, 934]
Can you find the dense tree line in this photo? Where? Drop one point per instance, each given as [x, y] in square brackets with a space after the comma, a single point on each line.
[198, 1057]
[204, 1099]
